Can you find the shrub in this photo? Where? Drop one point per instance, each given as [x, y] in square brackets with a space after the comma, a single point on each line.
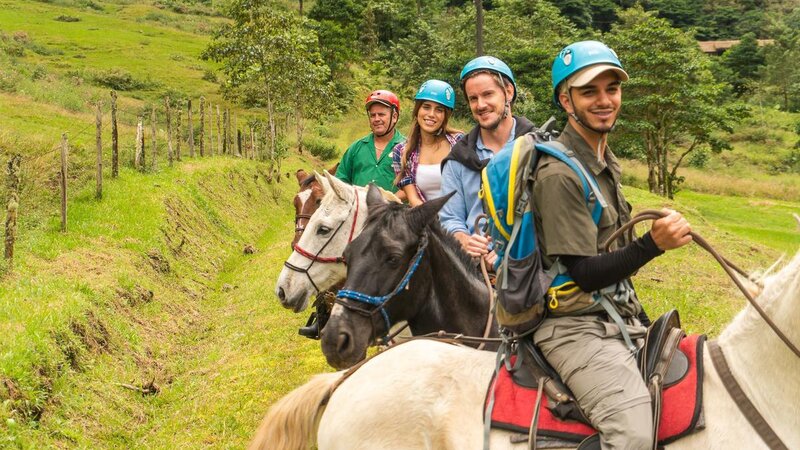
[324, 131]
[63, 18]
[119, 80]
[699, 158]
[210, 76]
[322, 149]
[759, 135]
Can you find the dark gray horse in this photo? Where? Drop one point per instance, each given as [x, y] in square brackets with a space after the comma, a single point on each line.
[404, 266]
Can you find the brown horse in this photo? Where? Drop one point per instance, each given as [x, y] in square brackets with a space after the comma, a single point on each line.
[306, 202]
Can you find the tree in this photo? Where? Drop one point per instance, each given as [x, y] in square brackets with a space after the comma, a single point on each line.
[743, 61]
[479, 27]
[782, 68]
[272, 60]
[578, 11]
[672, 102]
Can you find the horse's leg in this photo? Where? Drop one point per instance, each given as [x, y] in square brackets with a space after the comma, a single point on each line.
[291, 423]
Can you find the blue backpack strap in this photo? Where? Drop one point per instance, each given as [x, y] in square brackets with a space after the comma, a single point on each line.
[590, 188]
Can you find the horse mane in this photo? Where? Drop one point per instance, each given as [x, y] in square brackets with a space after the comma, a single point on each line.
[388, 214]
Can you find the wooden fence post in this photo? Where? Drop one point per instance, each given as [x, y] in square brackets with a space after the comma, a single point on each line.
[231, 136]
[239, 142]
[178, 131]
[154, 130]
[12, 207]
[219, 133]
[255, 145]
[202, 126]
[138, 156]
[169, 130]
[211, 130]
[226, 131]
[237, 137]
[99, 141]
[64, 150]
[191, 129]
[114, 137]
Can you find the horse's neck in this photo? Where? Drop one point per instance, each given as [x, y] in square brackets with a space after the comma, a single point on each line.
[761, 363]
[456, 300]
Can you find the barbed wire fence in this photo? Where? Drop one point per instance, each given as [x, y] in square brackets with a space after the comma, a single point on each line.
[211, 130]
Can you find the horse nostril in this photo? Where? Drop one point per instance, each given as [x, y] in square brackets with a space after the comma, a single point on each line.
[281, 294]
[344, 342]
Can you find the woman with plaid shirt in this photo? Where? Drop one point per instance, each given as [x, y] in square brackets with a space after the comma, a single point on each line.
[417, 160]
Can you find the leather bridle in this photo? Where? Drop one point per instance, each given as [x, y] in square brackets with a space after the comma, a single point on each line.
[380, 302]
[315, 257]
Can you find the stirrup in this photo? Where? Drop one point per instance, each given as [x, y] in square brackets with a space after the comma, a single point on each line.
[311, 329]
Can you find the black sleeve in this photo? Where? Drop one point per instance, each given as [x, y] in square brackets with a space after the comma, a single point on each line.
[591, 273]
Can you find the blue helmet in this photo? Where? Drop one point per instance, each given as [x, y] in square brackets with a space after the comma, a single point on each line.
[580, 55]
[492, 64]
[437, 91]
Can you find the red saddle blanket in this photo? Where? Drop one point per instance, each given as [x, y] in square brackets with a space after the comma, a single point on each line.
[681, 410]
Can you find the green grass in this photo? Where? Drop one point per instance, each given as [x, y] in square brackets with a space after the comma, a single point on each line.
[212, 337]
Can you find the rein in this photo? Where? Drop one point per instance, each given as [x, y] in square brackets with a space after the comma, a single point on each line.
[380, 302]
[735, 391]
[325, 259]
[728, 266]
[489, 287]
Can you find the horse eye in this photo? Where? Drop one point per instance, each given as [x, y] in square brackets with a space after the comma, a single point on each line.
[323, 230]
[392, 260]
[319, 201]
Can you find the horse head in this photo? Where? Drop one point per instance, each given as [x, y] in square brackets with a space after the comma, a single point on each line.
[381, 262]
[305, 202]
[316, 263]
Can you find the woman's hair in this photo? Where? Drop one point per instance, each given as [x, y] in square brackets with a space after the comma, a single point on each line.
[415, 137]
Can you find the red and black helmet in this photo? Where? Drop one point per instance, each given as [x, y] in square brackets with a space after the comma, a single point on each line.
[384, 97]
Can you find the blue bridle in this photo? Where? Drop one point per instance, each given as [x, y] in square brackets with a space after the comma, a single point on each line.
[381, 301]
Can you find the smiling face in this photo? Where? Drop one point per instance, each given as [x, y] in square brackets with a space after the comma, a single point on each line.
[597, 103]
[380, 118]
[487, 99]
[430, 117]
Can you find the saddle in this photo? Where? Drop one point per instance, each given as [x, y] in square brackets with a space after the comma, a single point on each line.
[662, 364]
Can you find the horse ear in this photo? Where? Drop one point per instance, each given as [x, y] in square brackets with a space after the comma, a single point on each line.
[374, 197]
[323, 182]
[301, 175]
[334, 169]
[339, 187]
[427, 212]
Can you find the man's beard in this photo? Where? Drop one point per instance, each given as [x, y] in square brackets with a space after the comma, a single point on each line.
[583, 119]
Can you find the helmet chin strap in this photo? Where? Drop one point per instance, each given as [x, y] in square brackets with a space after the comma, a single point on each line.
[391, 127]
[603, 134]
[506, 111]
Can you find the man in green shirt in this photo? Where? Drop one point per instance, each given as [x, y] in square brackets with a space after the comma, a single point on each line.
[369, 159]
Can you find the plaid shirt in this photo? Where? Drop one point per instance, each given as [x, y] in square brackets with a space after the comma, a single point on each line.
[409, 175]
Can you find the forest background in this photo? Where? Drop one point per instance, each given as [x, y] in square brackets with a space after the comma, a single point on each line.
[151, 321]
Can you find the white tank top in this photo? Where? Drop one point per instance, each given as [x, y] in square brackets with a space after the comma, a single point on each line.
[429, 180]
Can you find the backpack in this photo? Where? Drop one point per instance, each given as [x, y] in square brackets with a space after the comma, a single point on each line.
[525, 290]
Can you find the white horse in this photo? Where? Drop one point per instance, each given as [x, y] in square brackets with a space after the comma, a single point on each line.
[315, 264]
[430, 395]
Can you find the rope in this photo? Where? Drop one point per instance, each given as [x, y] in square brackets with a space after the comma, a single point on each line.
[727, 266]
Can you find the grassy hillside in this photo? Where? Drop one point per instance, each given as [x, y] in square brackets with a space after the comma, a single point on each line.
[150, 290]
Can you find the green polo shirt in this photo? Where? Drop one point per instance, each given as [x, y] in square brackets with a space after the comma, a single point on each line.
[359, 166]
[563, 220]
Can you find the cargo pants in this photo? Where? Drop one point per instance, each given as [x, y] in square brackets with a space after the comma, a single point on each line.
[593, 361]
